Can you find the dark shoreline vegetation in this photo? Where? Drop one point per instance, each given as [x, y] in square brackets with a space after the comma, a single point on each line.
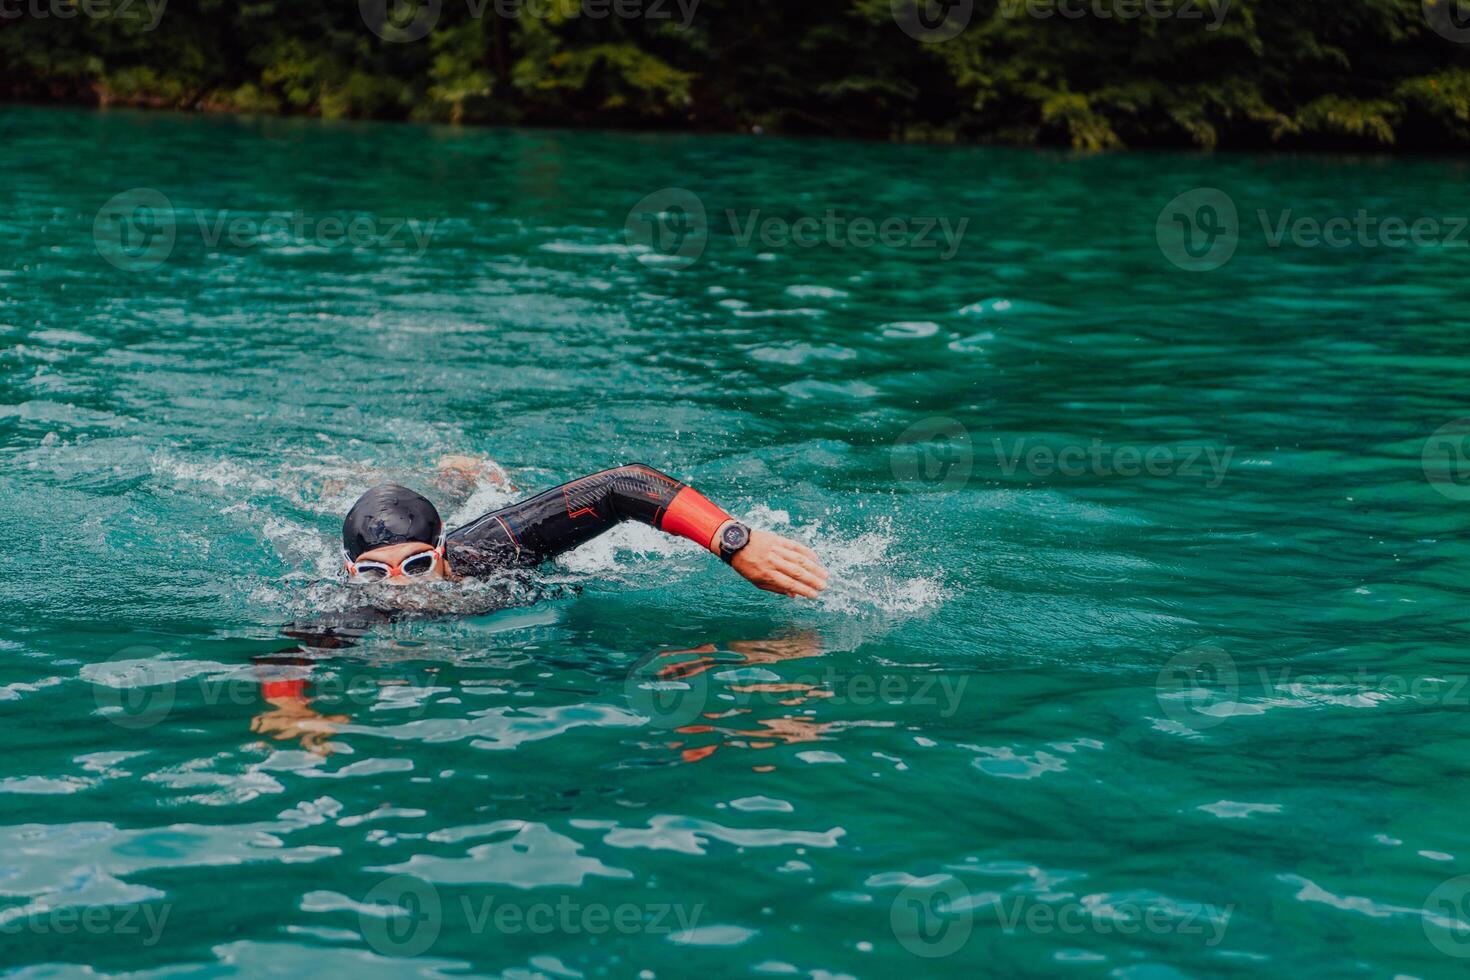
[1086, 74]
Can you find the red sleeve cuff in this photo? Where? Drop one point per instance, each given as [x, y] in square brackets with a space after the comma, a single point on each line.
[694, 516]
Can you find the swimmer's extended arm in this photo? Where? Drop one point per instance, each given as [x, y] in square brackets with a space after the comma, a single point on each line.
[562, 518]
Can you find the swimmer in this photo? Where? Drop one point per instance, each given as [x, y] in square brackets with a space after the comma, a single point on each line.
[395, 536]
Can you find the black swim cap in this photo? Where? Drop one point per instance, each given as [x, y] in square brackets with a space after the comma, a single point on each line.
[389, 514]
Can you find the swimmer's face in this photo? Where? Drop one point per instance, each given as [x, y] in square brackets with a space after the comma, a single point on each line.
[395, 557]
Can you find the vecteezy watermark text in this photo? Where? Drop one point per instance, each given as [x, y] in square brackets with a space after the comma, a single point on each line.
[144, 921]
[138, 229]
[1203, 686]
[1201, 229]
[1102, 460]
[670, 695]
[404, 21]
[404, 915]
[836, 230]
[940, 453]
[1185, 10]
[128, 10]
[936, 21]
[674, 226]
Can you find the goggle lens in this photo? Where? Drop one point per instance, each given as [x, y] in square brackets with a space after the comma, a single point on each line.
[420, 564]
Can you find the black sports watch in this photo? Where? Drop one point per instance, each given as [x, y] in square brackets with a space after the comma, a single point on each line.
[734, 537]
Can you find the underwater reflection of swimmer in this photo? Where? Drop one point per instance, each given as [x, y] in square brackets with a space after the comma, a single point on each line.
[738, 726]
[288, 714]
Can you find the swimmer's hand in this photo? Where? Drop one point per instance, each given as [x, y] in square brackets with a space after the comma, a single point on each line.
[781, 565]
[457, 472]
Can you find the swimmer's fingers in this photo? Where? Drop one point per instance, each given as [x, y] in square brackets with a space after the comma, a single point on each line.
[812, 565]
[804, 550]
[802, 575]
[771, 563]
[800, 553]
[787, 585]
[772, 580]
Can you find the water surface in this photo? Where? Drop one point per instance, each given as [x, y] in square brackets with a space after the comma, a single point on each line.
[1145, 656]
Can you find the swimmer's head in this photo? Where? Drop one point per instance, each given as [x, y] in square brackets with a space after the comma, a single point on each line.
[389, 515]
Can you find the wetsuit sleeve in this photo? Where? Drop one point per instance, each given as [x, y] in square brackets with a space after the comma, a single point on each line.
[557, 520]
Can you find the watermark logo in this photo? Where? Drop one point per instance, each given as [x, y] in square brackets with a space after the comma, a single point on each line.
[932, 21]
[136, 230]
[936, 452]
[1447, 20]
[1446, 459]
[672, 223]
[401, 916]
[668, 696]
[1198, 230]
[1194, 686]
[932, 919]
[1447, 917]
[134, 688]
[400, 21]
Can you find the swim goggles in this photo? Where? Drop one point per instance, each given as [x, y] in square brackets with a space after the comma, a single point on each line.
[420, 563]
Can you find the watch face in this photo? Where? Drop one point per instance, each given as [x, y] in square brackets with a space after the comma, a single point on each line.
[735, 536]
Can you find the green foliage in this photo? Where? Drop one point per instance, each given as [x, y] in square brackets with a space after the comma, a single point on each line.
[1089, 74]
[460, 85]
[1443, 100]
[1370, 120]
[308, 78]
[616, 79]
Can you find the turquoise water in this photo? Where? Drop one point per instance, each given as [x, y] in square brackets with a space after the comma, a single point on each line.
[1145, 654]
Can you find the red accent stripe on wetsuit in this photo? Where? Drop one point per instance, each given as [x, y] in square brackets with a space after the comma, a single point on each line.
[694, 516]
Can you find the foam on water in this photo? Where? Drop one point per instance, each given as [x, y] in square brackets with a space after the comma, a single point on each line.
[867, 577]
